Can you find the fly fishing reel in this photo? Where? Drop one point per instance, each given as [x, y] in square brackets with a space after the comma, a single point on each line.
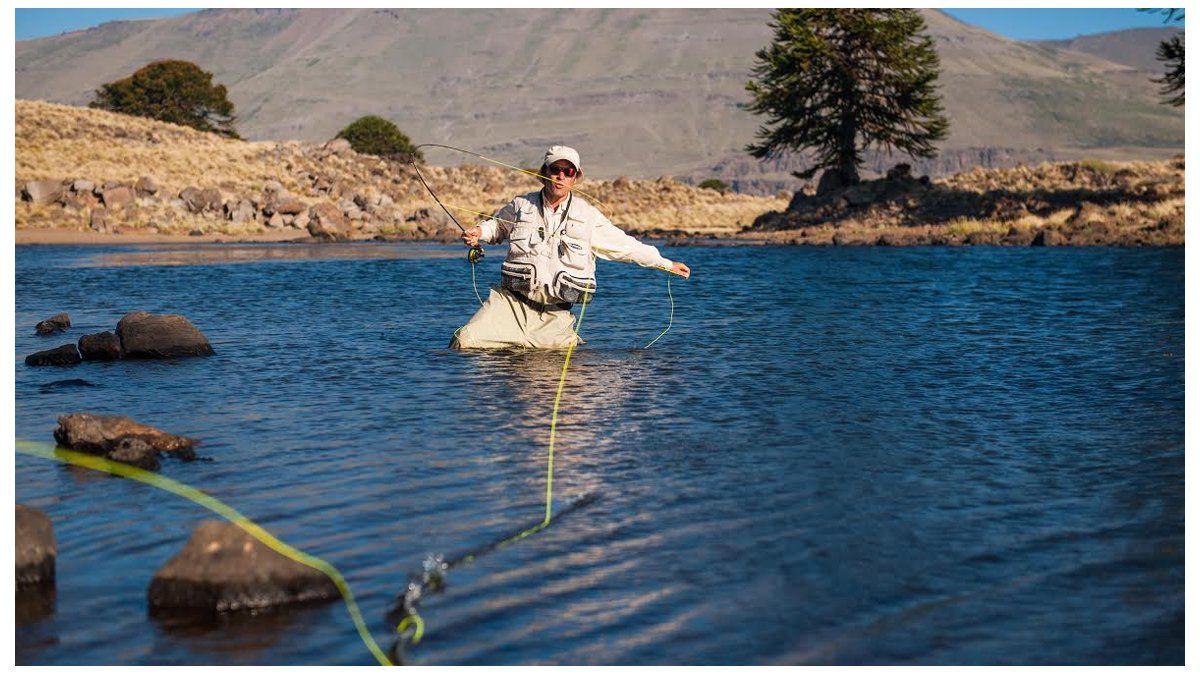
[475, 255]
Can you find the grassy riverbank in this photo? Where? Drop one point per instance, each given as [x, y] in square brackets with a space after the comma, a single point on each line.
[60, 143]
[89, 176]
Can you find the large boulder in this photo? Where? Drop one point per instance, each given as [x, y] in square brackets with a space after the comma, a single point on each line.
[58, 322]
[65, 355]
[117, 197]
[121, 439]
[104, 346]
[158, 336]
[98, 219]
[42, 191]
[290, 206]
[326, 221]
[338, 146]
[202, 201]
[146, 186]
[223, 569]
[240, 212]
[36, 551]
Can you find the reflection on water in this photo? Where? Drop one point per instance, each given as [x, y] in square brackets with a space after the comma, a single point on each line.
[835, 456]
[216, 254]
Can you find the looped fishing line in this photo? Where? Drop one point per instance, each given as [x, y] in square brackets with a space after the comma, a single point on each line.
[46, 451]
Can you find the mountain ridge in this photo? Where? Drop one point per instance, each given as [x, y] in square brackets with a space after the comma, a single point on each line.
[639, 92]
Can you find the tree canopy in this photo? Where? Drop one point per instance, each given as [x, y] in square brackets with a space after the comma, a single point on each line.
[1171, 53]
[374, 135]
[840, 81]
[171, 91]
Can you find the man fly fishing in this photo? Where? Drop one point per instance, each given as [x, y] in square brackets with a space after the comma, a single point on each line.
[554, 238]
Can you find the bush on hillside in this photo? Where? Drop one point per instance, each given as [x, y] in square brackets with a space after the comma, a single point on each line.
[714, 184]
[178, 92]
[373, 135]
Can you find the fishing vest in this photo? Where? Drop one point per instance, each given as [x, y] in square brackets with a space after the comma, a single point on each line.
[551, 252]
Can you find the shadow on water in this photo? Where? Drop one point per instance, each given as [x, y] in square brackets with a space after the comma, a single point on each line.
[250, 633]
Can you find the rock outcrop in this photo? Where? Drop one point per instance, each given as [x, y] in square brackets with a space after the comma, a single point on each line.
[36, 550]
[42, 191]
[157, 336]
[224, 569]
[65, 355]
[104, 346]
[56, 323]
[121, 439]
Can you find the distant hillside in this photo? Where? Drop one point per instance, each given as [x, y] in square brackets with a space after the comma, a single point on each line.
[1134, 47]
[640, 92]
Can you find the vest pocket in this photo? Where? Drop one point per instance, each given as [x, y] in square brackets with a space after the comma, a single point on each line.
[517, 276]
[571, 288]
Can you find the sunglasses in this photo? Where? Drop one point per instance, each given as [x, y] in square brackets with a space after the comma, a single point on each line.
[568, 171]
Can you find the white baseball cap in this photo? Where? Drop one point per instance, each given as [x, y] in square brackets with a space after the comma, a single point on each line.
[557, 152]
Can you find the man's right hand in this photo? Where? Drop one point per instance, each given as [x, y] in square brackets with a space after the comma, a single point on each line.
[471, 235]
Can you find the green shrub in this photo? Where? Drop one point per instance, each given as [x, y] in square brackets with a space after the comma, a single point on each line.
[178, 92]
[373, 135]
[714, 184]
[1099, 166]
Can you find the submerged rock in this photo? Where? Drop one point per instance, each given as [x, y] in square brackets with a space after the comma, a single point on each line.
[104, 346]
[58, 322]
[65, 355]
[36, 551]
[121, 439]
[222, 569]
[157, 336]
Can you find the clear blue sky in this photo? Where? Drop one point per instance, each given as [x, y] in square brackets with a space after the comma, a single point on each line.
[1052, 24]
[1021, 24]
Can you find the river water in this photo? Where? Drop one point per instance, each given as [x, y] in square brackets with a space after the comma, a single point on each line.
[835, 456]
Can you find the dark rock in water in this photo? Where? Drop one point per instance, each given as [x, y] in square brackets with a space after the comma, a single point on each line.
[66, 355]
[62, 384]
[35, 603]
[158, 336]
[121, 439]
[222, 569]
[135, 451]
[104, 346]
[36, 551]
[1047, 238]
[56, 323]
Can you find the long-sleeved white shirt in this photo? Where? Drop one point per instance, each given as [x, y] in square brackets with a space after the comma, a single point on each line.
[563, 240]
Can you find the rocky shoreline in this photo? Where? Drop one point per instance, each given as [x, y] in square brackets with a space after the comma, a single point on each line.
[89, 176]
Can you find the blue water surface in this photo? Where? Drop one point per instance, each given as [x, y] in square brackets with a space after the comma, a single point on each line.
[835, 456]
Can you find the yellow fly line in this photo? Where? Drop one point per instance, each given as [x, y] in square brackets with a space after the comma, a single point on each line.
[47, 451]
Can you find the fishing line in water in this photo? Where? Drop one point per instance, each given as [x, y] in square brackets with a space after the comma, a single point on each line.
[97, 463]
[412, 627]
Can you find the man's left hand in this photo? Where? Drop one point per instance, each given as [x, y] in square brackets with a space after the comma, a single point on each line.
[680, 269]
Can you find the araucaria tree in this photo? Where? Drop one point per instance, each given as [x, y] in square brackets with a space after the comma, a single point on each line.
[838, 82]
[1170, 52]
[171, 91]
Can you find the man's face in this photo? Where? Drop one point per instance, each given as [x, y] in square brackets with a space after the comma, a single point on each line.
[559, 183]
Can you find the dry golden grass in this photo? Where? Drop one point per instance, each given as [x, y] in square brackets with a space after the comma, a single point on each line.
[64, 142]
